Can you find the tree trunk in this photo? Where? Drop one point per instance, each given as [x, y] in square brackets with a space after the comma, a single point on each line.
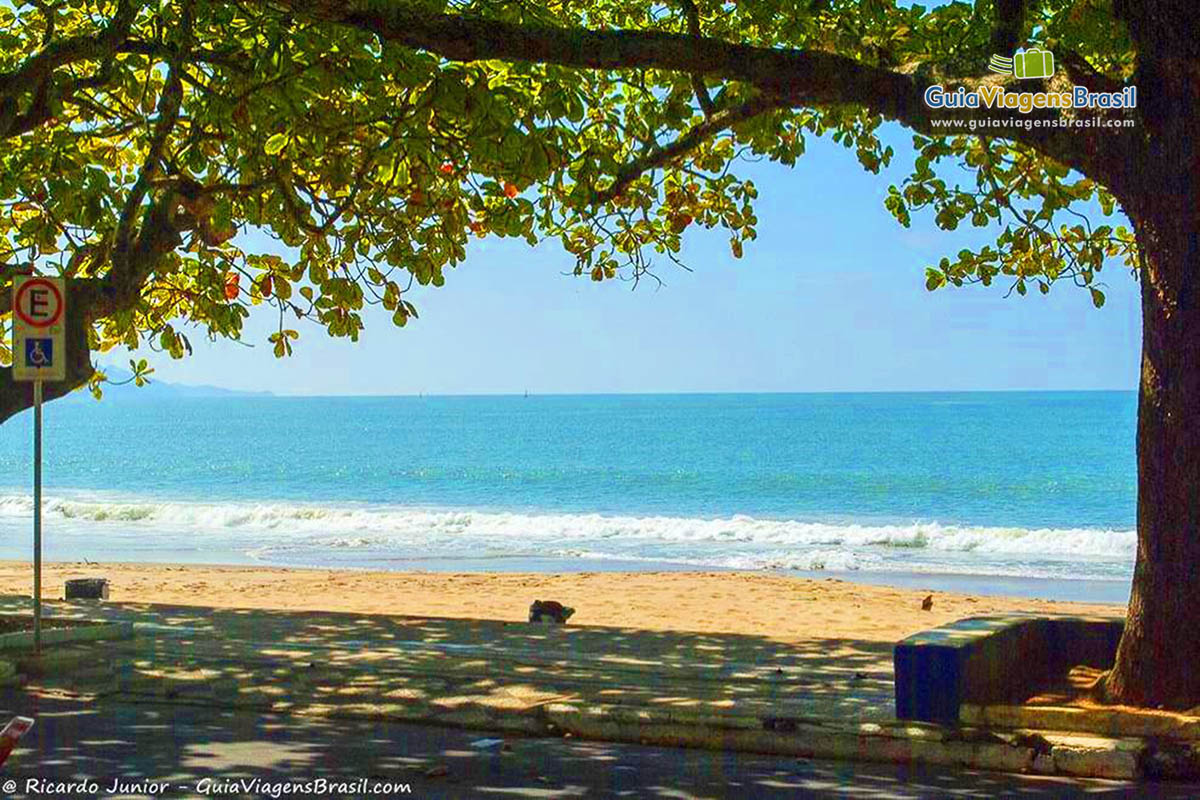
[1158, 661]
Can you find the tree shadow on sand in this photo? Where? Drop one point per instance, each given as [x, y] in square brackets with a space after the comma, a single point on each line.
[277, 660]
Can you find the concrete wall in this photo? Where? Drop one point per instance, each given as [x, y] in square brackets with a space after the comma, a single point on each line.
[999, 659]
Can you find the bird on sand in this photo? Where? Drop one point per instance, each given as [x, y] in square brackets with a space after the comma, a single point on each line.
[927, 603]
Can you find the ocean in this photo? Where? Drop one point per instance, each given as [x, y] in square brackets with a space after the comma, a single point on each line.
[929, 488]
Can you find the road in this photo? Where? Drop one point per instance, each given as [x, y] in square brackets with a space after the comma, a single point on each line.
[204, 752]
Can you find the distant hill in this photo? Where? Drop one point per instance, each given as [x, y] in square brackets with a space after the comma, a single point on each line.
[158, 390]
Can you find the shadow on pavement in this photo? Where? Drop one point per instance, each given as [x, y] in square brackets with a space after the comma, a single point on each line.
[183, 745]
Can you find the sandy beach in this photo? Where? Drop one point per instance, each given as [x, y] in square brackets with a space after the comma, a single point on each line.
[776, 607]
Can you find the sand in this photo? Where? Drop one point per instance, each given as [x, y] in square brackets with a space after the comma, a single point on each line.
[776, 607]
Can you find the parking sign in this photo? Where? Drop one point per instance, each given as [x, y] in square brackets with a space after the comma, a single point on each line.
[38, 323]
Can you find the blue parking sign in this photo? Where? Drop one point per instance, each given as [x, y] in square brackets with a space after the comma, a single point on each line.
[39, 353]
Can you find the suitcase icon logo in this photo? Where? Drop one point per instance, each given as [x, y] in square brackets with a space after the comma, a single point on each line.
[1032, 62]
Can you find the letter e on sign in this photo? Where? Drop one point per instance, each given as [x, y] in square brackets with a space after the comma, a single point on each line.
[38, 328]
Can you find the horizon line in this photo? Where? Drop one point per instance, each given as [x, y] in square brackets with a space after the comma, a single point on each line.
[679, 393]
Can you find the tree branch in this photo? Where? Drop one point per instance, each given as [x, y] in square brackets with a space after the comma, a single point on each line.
[813, 78]
[37, 71]
[686, 143]
[133, 260]
[72, 49]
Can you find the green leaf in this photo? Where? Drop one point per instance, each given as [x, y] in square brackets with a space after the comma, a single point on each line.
[275, 144]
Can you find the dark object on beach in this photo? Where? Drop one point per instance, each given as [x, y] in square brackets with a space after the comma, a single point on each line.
[87, 589]
[549, 611]
[927, 603]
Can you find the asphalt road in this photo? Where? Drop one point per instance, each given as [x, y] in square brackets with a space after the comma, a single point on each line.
[205, 752]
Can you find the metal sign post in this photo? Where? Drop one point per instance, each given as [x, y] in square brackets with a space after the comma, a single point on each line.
[37, 517]
[39, 354]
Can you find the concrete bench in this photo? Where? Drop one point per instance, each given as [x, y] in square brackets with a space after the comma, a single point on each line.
[994, 659]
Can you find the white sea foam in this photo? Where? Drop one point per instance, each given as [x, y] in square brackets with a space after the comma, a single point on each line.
[758, 541]
[811, 561]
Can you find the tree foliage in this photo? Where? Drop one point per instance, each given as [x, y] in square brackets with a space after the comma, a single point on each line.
[374, 140]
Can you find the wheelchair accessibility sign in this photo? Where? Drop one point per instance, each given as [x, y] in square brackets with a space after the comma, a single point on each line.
[38, 323]
[39, 353]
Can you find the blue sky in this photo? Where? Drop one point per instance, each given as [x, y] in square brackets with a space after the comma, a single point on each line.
[830, 298]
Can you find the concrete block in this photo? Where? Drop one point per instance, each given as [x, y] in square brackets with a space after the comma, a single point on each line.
[1095, 762]
[87, 589]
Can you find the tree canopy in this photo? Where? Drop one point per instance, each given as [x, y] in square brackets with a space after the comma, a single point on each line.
[375, 139]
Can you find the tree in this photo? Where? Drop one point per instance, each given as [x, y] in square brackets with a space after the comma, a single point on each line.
[374, 138]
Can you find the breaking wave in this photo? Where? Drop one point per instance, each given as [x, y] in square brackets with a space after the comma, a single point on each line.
[282, 531]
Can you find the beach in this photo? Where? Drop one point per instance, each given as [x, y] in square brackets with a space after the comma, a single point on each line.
[777, 607]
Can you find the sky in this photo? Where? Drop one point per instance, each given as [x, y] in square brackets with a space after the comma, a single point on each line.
[830, 297]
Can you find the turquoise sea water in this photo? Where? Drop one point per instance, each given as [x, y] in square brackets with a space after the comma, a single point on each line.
[1005, 484]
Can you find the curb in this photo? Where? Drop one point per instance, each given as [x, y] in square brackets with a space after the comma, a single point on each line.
[18, 649]
[1098, 721]
[81, 633]
[969, 748]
